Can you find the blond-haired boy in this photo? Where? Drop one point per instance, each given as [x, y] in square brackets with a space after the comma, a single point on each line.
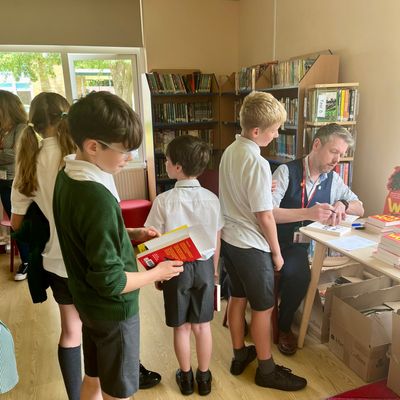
[250, 245]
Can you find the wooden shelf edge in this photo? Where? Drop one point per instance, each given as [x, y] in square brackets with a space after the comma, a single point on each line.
[322, 123]
[333, 85]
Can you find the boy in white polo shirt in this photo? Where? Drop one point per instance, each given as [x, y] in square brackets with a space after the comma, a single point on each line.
[189, 298]
[250, 245]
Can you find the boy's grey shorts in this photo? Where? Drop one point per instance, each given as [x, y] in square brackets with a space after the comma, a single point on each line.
[251, 273]
[189, 297]
[111, 353]
[59, 287]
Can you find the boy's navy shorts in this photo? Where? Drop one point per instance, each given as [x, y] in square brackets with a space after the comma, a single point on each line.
[189, 297]
[251, 273]
[59, 287]
[111, 353]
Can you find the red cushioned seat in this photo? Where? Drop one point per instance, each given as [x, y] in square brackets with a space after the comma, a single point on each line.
[135, 212]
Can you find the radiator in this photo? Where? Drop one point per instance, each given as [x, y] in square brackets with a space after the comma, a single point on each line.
[131, 183]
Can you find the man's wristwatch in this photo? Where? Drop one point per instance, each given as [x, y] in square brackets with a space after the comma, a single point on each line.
[346, 204]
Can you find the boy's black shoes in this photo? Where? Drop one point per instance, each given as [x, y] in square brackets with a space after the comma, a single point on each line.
[185, 381]
[281, 378]
[148, 379]
[203, 380]
[237, 367]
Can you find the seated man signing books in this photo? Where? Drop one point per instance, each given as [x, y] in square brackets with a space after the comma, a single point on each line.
[308, 190]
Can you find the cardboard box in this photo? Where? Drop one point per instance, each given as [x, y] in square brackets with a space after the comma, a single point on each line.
[393, 381]
[361, 341]
[321, 310]
[370, 363]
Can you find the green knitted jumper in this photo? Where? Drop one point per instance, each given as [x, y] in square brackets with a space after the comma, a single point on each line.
[96, 248]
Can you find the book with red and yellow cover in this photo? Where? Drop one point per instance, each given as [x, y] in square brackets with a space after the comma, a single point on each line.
[183, 244]
[382, 220]
[392, 240]
[387, 256]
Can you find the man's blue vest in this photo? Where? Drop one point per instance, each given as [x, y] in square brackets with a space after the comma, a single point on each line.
[292, 198]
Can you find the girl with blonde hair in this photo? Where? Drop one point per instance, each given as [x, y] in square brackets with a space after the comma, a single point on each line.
[40, 153]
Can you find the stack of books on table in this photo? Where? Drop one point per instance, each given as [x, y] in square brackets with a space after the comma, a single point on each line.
[389, 249]
[383, 223]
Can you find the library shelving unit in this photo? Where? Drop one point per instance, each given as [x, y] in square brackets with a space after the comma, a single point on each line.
[182, 102]
[332, 103]
[287, 81]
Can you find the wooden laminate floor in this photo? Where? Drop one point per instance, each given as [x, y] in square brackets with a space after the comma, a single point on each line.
[35, 329]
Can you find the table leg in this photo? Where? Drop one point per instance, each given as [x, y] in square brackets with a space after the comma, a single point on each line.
[319, 255]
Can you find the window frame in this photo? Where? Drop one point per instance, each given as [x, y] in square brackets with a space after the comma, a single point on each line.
[69, 54]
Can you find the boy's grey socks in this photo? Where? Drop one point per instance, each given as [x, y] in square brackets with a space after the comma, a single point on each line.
[266, 366]
[71, 369]
[240, 354]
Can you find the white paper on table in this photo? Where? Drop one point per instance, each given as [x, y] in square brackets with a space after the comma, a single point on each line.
[350, 243]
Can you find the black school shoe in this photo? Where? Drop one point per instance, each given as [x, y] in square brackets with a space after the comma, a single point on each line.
[185, 381]
[203, 380]
[148, 379]
[237, 367]
[281, 378]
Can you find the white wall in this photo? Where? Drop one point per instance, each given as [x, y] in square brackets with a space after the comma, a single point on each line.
[188, 34]
[365, 34]
[256, 31]
[71, 23]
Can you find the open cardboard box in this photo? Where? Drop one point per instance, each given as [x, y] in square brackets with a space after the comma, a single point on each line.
[360, 340]
[393, 381]
[362, 280]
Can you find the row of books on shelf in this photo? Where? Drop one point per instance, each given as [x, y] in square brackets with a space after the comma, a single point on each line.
[171, 113]
[290, 73]
[292, 109]
[280, 74]
[309, 135]
[344, 170]
[332, 105]
[162, 138]
[291, 106]
[246, 78]
[283, 146]
[167, 83]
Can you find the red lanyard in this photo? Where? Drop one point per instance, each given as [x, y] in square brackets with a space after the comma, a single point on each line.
[303, 188]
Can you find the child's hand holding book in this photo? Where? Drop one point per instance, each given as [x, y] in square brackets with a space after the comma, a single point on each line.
[166, 270]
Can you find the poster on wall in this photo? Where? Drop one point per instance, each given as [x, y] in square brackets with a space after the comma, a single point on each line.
[392, 201]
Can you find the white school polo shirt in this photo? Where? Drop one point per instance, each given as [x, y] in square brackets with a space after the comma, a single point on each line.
[187, 204]
[244, 189]
[48, 164]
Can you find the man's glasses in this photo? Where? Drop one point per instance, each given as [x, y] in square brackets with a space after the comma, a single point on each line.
[125, 153]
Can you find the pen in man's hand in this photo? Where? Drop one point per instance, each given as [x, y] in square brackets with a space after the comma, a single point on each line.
[333, 211]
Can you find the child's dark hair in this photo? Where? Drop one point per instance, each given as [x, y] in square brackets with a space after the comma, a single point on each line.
[190, 152]
[105, 116]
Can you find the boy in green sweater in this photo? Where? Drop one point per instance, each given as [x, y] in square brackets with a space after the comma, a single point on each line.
[102, 271]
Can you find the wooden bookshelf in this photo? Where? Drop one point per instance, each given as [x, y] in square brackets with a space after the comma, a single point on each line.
[182, 102]
[278, 79]
[333, 103]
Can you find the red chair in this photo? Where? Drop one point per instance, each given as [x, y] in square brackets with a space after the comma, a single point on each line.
[209, 179]
[135, 212]
[13, 246]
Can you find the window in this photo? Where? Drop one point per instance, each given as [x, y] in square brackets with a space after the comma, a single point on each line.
[73, 72]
